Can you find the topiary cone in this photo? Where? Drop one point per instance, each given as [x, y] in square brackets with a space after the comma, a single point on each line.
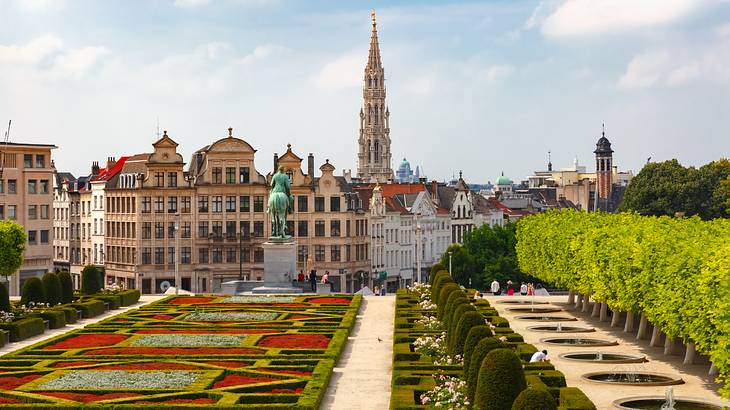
[52, 288]
[33, 291]
[534, 399]
[501, 379]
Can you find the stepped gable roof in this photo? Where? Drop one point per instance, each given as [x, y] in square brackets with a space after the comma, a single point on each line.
[107, 174]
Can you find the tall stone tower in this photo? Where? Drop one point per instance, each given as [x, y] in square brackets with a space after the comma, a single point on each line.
[604, 167]
[373, 158]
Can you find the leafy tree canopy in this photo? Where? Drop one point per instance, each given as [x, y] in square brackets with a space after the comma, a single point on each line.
[12, 245]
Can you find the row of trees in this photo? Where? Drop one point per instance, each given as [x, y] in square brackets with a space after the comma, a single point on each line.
[675, 270]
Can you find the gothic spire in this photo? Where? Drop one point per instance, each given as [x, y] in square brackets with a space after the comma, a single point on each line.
[374, 54]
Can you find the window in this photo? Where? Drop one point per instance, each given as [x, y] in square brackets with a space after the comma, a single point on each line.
[159, 204]
[217, 256]
[230, 175]
[146, 205]
[217, 175]
[231, 229]
[12, 186]
[302, 228]
[159, 179]
[245, 228]
[318, 204]
[2, 186]
[2, 212]
[231, 255]
[290, 228]
[170, 255]
[146, 256]
[335, 228]
[203, 229]
[185, 230]
[217, 229]
[171, 230]
[319, 228]
[258, 203]
[32, 237]
[258, 229]
[319, 253]
[244, 204]
[32, 186]
[258, 255]
[302, 253]
[230, 204]
[172, 204]
[243, 175]
[203, 203]
[40, 161]
[302, 203]
[32, 211]
[172, 179]
[335, 253]
[28, 161]
[159, 230]
[334, 204]
[159, 255]
[44, 186]
[185, 255]
[12, 212]
[202, 255]
[45, 211]
[245, 254]
[185, 204]
[217, 203]
[146, 230]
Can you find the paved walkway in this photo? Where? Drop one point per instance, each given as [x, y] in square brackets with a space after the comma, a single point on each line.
[11, 347]
[361, 379]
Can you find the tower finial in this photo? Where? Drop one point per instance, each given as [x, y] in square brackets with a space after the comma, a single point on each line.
[550, 162]
[459, 174]
[372, 16]
[603, 129]
[230, 131]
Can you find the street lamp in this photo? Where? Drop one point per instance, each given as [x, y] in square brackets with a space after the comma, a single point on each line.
[177, 258]
[450, 254]
[240, 253]
[418, 252]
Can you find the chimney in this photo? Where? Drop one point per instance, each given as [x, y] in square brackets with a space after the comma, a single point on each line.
[110, 162]
[276, 163]
[95, 168]
[434, 190]
[310, 168]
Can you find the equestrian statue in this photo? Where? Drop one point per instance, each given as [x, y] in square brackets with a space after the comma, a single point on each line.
[281, 203]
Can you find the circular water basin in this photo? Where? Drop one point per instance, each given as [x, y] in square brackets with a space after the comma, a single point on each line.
[561, 329]
[534, 309]
[577, 341]
[547, 318]
[604, 357]
[628, 378]
[522, 302]
[656, 403]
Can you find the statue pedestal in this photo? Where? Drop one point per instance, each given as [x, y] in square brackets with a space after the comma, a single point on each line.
[280, 267]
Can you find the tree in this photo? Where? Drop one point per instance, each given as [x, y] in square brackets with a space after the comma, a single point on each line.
[462, 265]
[52, 288]
[33, 291]
[12, 245]
[67, 287]
[90, 283]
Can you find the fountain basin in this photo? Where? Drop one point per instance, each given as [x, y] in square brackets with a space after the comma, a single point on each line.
[577, 341]
[626, 378]
[547, 318]
[563, 329]
[534, 309]
[522, 302]
[604, 357]
[656, 402]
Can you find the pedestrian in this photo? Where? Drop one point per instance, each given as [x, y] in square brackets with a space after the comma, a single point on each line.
[530, 289]
[313, 280]
[523, 289]
[326, 277]
[376, 291]
[300, 277]
[538, 357]
[495, 287]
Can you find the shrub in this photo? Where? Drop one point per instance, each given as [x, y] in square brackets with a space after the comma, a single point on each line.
[4, 298]
[33, 291]
[436, 269]
[68, 311]
[444, 294]
[55, 318]
[572, 398]
[90, 307]
[67, 287]
[450, 308]
[24, 328]
[500, 381]
[458, 313]
[52, 288]
[476, 334]
[90, 283]
[534, 399]
[481, 350]
[114, 300]
[129, 297]
[469, 320]
[437, 285]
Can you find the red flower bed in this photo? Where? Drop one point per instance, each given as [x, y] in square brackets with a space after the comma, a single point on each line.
[88, 397]
[267, 305]
[13, 382]
[285, 391]
[200, 400]
[300, 317]
[340, 301]
[148, 366]
[163, 317]
[239, 380]
[189, 301]
[61, 365]
[205, 332]
[230, 365]
[88, 340]
[8, 400]
[291, 372]
[112, 351]
[296, 341]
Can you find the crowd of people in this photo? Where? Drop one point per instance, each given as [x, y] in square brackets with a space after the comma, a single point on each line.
[312, 278]
[525, 289]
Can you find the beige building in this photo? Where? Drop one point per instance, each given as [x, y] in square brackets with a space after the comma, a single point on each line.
[62, 182]
[26, 196]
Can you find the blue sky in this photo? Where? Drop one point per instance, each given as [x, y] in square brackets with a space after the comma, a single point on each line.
[484, 87]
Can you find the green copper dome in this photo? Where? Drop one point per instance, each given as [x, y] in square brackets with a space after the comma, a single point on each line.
[503, 180]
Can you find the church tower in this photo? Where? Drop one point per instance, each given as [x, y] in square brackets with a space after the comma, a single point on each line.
[373, 158]
[604, 167]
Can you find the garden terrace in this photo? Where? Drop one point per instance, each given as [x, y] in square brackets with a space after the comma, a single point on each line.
[215, 351]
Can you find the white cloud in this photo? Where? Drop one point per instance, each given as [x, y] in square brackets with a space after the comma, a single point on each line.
[345, 71]
[32, 52]
[585, 17]
[191, 3]
[645, 70]
[39, 5]
[496, 73]
[262, 52]
[78, 62]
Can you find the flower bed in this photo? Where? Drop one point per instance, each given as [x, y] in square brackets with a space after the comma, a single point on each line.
[196, 352]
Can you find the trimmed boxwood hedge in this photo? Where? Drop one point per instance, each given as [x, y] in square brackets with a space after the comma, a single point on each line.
[454, 321]
[67, 287]
[114, 300]
[68, 311]
[55, 318]
[572, 398]
[33, 291]
[437, 285]
[90, 307]
[4, 298]
[481, 350]
[129, 297]
[444, 294]
[52, 288]
[534, 399]
[457, 301]
[476, 334]
[501, 379]
[469, 320]
[90, 280]
[24, 328]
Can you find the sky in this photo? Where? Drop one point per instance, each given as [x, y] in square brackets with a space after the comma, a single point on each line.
[483, 87]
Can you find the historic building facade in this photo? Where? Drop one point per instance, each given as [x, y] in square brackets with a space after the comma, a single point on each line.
[374, 157]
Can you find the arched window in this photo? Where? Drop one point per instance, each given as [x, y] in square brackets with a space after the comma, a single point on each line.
[377, 152]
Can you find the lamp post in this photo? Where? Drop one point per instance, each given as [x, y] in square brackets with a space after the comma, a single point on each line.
[450, 254]
[240, 253]
[177, 267]
[418, 253]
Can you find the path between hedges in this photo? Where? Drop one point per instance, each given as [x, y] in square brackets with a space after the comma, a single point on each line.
[11, 347]
[361, 379]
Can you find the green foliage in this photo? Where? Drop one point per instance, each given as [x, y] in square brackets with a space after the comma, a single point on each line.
[52, 288]
[55, 318]
[444, 294]
[435, 268]
[501, 379]
[90, 280]
[439, 282]
[475, 335]
[469, 320]
[129, 297]
[481, 350]
[459, 312]
[33, 291]
[24, 328]
[451, 305]
[4, 298]
[12, 245]
[67, 287]
[572, 398]
[675, 270]
[666, 188]
[534, 399]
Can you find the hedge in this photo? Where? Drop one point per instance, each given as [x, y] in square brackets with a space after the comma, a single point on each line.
[129, 297]
[469, 320]
[572, 398]
[33, 291]
[90, 307]
[90, 280]
[458, 300]
[52, 288]
[481, 350]
[534, 399]
[24, 328]
[643, 264]
[69, 313]
[454, 321]
[67, 287]
[114, 300]
[55, 318]
[4, 298]
[476, 334]
[501, 379]
[444, 294]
